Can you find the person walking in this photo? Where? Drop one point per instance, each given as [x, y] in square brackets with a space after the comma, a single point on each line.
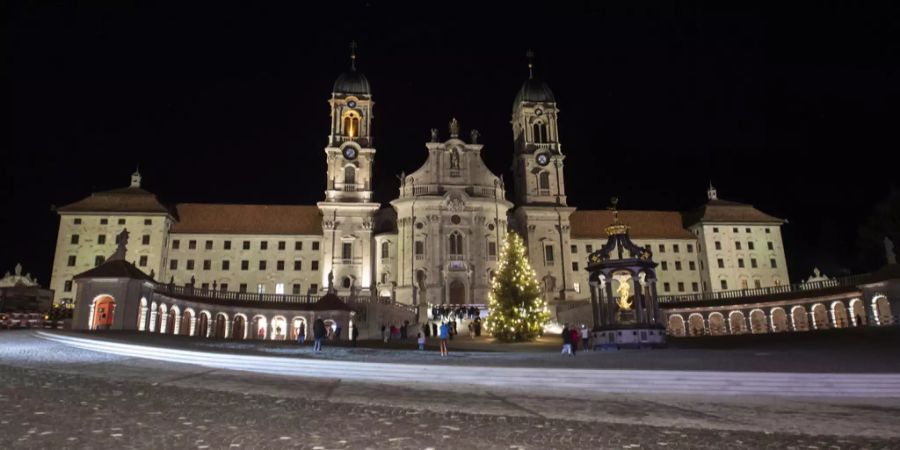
[471, 330]
[301, 333]
[385, 333]
[354, 333]
[318, 334]
[445, 335]
[585, 336]
[567, 341]
[421, 340]
[574, 332]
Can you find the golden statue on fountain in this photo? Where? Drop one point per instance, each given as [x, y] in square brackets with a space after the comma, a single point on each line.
[625, 299]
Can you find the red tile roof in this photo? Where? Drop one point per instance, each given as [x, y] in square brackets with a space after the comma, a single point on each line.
[724, 211]
[248, 219]
[125, 200]
[644, 224]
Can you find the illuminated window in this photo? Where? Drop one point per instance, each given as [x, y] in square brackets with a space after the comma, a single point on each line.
[351, 125]
[260, 288]
[279, 288]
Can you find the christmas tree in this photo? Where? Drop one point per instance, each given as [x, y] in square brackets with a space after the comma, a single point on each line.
[518, 312]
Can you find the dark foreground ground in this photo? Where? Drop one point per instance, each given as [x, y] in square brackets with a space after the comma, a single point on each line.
[53, 396]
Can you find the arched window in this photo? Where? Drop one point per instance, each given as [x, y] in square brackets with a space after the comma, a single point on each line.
[544, 183]
[346, 282]
[540, 133]
[456, 243]
[351, 125]
[385, 250]
[349, 175]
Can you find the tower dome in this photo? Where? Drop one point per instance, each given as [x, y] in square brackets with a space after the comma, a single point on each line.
[351, 81]
[535, 91]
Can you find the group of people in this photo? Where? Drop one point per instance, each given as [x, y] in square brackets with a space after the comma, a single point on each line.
[447, 312]
[572, 336]
[394, 332]
[321, 332]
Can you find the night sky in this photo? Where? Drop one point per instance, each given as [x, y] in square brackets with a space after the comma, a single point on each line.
[792, 109]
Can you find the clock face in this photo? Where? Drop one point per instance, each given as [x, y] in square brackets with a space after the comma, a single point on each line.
[543, 159]
[351, 104]
[350, 153]
[538, 111]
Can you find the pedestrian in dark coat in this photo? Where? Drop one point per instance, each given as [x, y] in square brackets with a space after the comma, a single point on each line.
[354, 334]
[318, 334]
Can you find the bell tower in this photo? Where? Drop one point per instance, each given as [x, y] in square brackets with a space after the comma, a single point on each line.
[538, 158]
[348, 211]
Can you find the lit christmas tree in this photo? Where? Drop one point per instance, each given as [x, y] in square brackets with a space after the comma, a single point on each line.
[518, 311]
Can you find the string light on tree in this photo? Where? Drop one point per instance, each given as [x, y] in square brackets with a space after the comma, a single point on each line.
[518, 310]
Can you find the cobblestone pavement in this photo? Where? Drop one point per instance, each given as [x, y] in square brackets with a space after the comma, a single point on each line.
[52, 396]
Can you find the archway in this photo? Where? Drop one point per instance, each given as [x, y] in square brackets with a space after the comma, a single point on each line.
[221, 327]
[839, 315]
[142, 315]
[737, 322]
[779, 320]
[260, 327]
[716, 324]
[457, 292]
[676, 325]
[798, 318]
[858, 313]
[170, 320]
[298, 323]
[203, 324]
[162, 316]
[881, 310]
[154, 312]
[696, 325]
[104, 312]
[279, 328]
[330, 328]
[758, 322]
[186, 319]
[819, 317]
[239, 329]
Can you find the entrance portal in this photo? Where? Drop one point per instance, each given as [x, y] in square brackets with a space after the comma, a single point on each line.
[457, 292]
[104, 308]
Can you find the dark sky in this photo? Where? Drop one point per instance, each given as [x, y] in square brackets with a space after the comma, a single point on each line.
[792, 109]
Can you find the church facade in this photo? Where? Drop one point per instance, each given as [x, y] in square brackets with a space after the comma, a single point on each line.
[436, 243]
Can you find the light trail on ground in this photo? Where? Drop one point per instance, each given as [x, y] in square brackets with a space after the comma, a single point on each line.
[599, 381]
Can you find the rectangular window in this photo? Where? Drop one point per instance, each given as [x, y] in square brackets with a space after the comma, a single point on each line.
[548, 254]
[176, 244]
[757, 284]
[143, 261]
[298, 265]
[298, 245]
[347, 251]
[190, 264]
[690, 248]
[192, 244]
[718, 245]
[145, 239]
[692, 265]
[173, 264]
[695, 287]
[750, 245]
[701, 265]
[71, 261]
[662, 248]
[574, 249]
[715, 229]
[279, 265]
[675, 248]
[223, 287]
[721, 263]
[209, 245]
[420, 248]
[246, 245]
[121, 221]
[226, 245]
[314, 288]
[226, 264]
[314, 266]
[680, 286]
[207, 264]
[148, 221]
[262, 265]
[281, 245]
[724, 284]
[575, 266]
[677, 265]
[98, 260]
[204, 286]
[295, 289]
[67, 286]
[104, 221]
[747, 230]
[734, 230]
[737, 245]
[315, 245]
[772, 263]
[667, 287]
[77, 221]
[753, 262]
[741, 263]
[260, 288]
[279, 288]
[664, 265]
[771, 246]
[264, 245]
[492, 249]
[242, 287]
[101, 239]
[589, 248]
[767, 231]
[74, 239]
[245, 265]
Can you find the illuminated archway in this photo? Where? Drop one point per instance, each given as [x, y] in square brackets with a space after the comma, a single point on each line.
[187, 327]
[103, 312]
[881, 310]
[239, 330]
[142, 315]
[162, 316]
[222, 326]
[298, 323]
[696, 325]
[779, 320]
[203, 324]
[858, 313]
[279, 328]
[737, 322]
[716, 324]
[798, 318]
[819, 317]
[676, 325]
[758, 322]
[260, 327]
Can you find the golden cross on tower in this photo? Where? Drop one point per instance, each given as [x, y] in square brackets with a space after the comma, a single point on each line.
[530, 55]
[353, 55]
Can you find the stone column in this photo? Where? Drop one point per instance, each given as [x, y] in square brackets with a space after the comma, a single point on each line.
[608, 302]
[595, 313]
[638, 300]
